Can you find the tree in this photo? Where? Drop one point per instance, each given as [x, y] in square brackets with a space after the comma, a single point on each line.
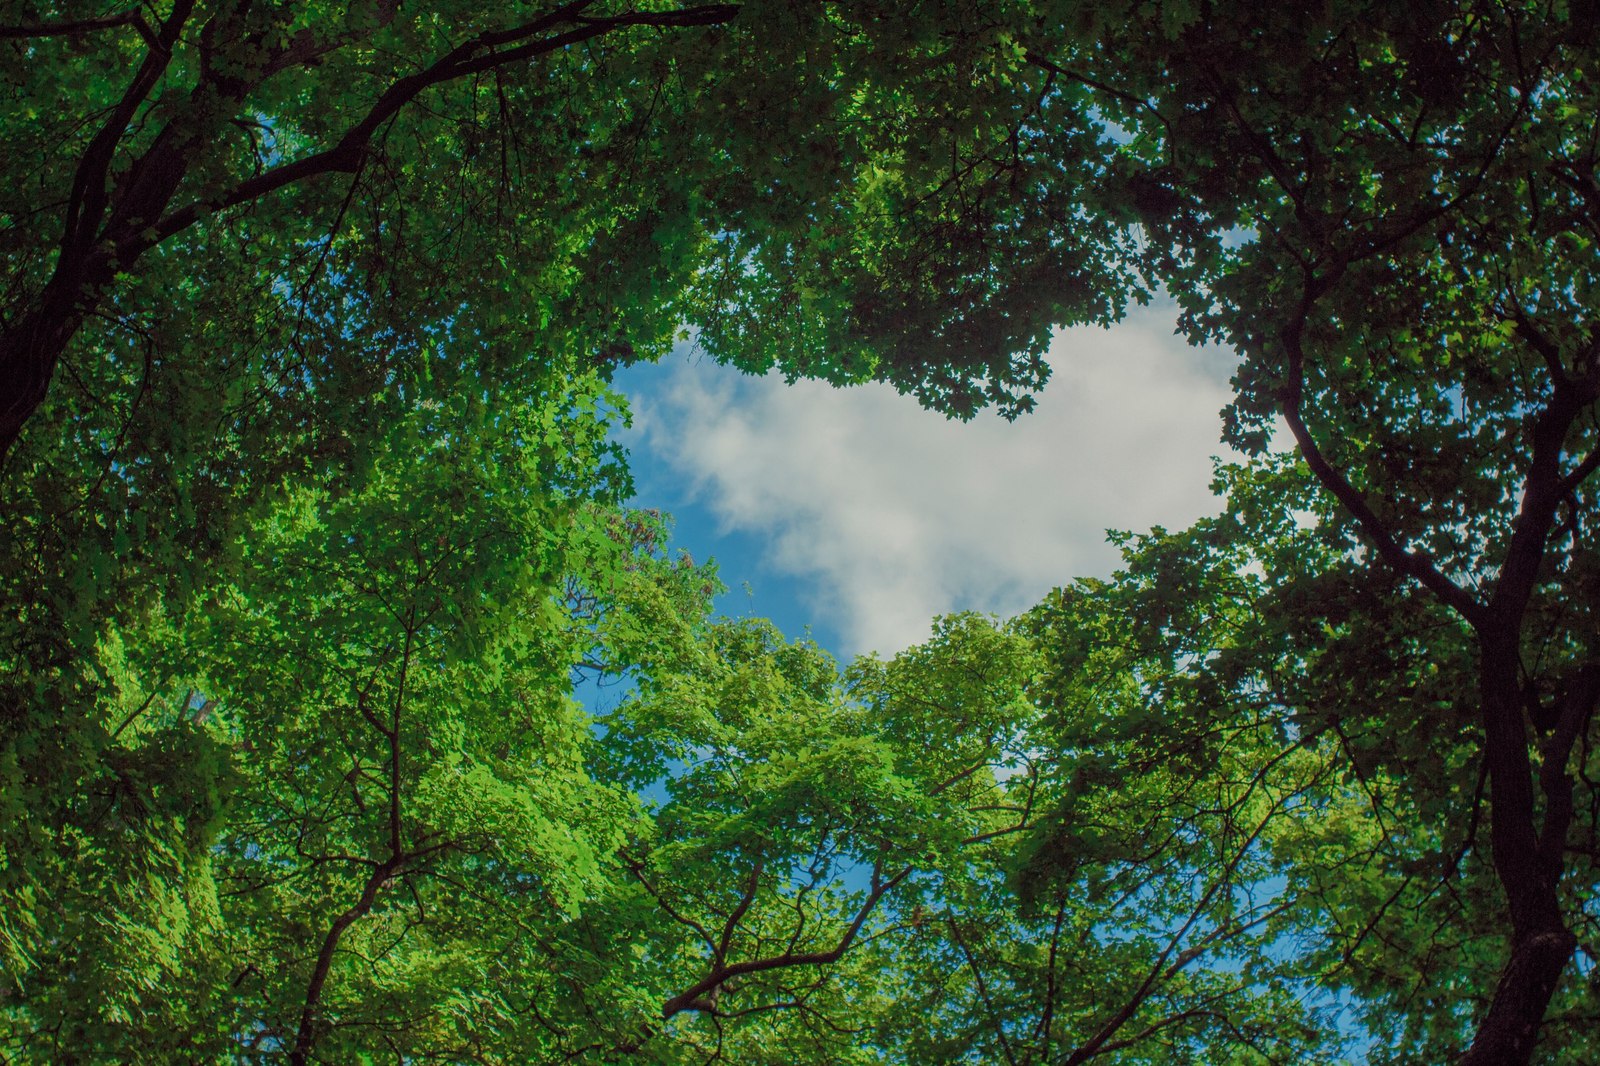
[318, 758]
[337, 128]
[1391, 215]
[237, 272]
[831, 857]
[1127, 904]
[1266, 631]
[292, 228]
[368, 818]
[234, 274]
[153, 156]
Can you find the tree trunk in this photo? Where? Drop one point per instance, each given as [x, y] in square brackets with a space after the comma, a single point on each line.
[29, 351]
[1529, 869]
[1507, 1034]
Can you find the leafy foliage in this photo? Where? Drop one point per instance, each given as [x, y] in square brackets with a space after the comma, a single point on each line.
[311, 529]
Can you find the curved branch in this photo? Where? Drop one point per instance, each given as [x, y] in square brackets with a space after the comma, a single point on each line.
[87, 202]
[484, 52]
[305, 1037]
[1391, 549]
[1576, 708]
[693, 998]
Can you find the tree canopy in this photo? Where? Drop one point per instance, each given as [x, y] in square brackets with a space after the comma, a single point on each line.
[313, 529]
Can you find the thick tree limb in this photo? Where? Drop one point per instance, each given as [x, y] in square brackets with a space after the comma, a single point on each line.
[106, 231]
[1577, 706]
[88, 200]
[482, 53]
[75, 27]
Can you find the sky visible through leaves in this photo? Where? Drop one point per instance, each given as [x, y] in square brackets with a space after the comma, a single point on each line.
[860, 516]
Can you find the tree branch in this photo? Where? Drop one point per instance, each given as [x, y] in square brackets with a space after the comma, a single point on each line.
[87, 202]
[73, 27]
[484, 52]
[305, 1037]
[692, 999]
[1390, 548]
[1576, 708]
[743, 908]
[1542, 491]
[983, 990]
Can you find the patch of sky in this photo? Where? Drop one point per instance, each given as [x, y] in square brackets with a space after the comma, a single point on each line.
[861, 516]
[756, 585]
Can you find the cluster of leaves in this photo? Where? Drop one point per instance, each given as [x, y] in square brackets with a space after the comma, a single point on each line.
[301, 305]
[351, 808]
[310, 525]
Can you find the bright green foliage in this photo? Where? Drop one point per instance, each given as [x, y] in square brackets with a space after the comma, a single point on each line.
[399, 679]
[309, 523]
[312, 426]
[249, 281]
[425, 850]
[828, 870]
[792, 822]
[381, 694]
[1152, 923]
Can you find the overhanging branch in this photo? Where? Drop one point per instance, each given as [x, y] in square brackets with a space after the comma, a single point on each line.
[484, 52]
[75, 27]
[1391, 549]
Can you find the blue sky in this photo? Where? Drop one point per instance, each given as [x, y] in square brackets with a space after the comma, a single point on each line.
[860, 515]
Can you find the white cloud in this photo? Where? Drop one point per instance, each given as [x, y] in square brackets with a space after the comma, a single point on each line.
[892, 514]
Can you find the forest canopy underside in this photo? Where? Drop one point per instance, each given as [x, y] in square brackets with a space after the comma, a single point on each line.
[312, 526]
